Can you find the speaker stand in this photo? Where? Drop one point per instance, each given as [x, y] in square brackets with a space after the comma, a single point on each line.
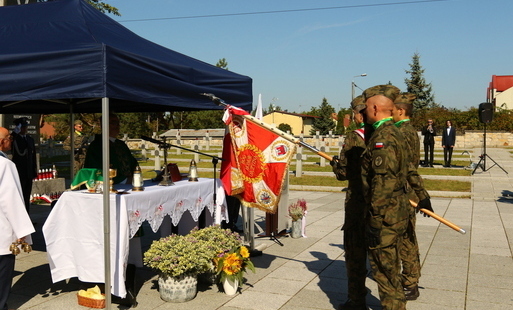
[482, 158]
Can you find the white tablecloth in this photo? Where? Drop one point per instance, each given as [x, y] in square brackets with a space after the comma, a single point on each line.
[73, 230]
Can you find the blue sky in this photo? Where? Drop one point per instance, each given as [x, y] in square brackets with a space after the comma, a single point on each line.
[297, 58]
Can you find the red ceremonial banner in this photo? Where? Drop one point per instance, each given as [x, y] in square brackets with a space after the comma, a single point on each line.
[255, 164]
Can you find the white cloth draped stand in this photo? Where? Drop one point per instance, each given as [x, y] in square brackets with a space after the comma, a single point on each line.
[73, 230]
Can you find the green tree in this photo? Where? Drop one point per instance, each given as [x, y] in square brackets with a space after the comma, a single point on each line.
[100, 6]
[314, 111]
[207, 119]
[61, 124]
[416, 84]
[222, 63]
[285, 127]
[134, 124]
[272, 107]
[104, 7]
[325, 122]
[340, 129]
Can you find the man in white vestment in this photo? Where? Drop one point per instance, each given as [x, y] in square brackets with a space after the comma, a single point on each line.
[15, 223]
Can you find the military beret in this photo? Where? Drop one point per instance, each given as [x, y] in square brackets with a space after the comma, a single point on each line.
[357, 104]
[21, 121]
[389, 91]
[406, 98]
[78, 122]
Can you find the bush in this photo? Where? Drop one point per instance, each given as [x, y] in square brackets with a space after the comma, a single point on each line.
[179, 256]
[285, 127]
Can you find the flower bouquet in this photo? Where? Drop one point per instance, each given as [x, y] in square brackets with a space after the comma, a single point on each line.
[231, 266]
[219, 241]
[297, 212]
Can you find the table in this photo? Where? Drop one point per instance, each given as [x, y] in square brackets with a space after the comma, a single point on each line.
[73, 230]
[48, 186]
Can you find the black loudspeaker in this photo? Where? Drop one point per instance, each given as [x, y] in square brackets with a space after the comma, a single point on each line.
[486, 112]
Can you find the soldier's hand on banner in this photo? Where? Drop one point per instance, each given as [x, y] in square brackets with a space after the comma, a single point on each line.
[425, 204]
[373, 236]
[334, 161]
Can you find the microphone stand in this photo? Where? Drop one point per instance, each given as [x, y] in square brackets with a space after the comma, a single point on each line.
[166, 180]
[215, 160]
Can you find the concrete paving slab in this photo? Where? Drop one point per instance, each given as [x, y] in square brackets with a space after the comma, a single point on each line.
[467, 272]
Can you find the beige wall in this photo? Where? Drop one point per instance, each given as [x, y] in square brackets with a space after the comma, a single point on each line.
[307, 125]
[505, 99]
[296, 122]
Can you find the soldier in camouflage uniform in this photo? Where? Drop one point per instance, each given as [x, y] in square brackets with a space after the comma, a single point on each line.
[80, 146]
[348, 167]
[384, 172]
[410, 249]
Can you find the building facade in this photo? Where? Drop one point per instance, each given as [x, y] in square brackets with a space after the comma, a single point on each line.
[300, 123]
[500, 92]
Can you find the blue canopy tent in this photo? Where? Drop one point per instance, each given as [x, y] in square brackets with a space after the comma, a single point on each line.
[67, 52]
[65, 57]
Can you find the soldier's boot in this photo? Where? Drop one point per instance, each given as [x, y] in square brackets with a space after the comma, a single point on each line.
[353, 305]
[412, 293]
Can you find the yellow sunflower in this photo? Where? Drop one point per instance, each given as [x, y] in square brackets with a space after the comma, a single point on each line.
[244, 252]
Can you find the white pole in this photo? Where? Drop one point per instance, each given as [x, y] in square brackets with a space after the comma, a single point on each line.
[106, 198]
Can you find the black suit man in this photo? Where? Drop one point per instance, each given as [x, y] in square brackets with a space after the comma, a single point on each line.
[24, 157]
[429, 133]
[448, 141]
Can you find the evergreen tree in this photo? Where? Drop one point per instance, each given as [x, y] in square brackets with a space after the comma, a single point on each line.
[340, 130]
[222, 63]
[417, 85]
[325, 123]
[134, 124]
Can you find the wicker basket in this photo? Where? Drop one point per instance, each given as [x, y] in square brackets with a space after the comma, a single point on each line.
[90, 302]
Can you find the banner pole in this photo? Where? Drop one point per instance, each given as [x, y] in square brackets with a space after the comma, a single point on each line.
[295, 140]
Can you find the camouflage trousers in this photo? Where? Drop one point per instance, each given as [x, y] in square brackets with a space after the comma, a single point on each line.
[386, 266]
[410, 256]
[356, 261]
[78, 164]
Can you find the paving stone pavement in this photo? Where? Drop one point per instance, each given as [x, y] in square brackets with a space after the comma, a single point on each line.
[471, 271]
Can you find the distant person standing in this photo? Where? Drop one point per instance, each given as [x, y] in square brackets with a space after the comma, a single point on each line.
[429, 133]
[448, 142]
[24, 157]
[79, 148]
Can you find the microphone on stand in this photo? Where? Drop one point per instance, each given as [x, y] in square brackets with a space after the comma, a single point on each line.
[160, 143]
[166, 180]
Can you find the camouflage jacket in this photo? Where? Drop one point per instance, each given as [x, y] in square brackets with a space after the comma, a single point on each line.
[349, 165]
[80, 144]
[385, 164]
[415, 181]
